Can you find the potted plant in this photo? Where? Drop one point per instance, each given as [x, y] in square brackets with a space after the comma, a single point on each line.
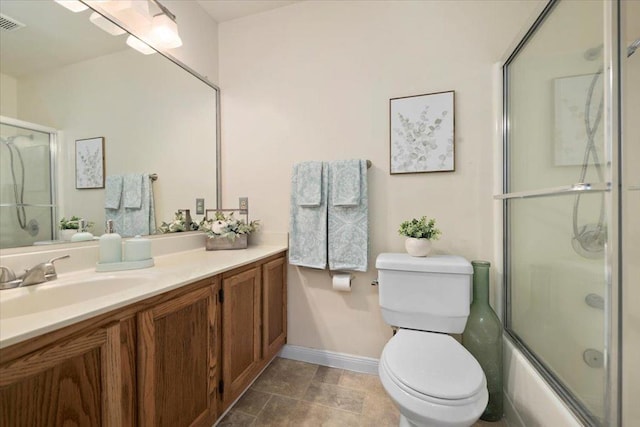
[419, 233]
[227, 232]
[69, 227]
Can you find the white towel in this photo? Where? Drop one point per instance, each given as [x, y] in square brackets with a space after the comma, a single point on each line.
[112, 191]
[345, 182]
[132, 190]
[348, 226]
[308, 228]
[309, 184]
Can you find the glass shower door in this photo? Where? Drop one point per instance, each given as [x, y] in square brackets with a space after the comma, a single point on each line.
[27, 207]
[557, 198]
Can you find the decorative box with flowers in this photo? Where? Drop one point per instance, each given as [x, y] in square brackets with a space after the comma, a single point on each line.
[224, 231]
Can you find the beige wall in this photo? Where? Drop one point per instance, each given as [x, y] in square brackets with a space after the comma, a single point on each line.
[8, 96]
[313, 81]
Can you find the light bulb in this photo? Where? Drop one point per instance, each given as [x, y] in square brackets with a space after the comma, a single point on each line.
[105, 24]
[73, 5]
[164, 32]
[139, 45]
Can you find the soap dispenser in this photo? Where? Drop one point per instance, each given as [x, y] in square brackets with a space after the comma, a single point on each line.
[82, 235]
[110, 245]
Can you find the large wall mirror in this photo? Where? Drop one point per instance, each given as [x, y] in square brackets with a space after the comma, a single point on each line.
[65, 80]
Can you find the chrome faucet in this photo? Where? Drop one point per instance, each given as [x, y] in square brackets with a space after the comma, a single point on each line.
[40, 273]
[8, 278]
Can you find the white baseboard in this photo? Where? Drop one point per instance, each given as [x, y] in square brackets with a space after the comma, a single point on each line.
[332, 359]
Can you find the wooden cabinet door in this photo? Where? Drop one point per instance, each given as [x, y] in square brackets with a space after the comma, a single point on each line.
[75, 382]
[177, 357]
[241, 337]
[274, 307]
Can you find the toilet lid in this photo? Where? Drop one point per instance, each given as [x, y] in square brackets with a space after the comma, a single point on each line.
[433, 364]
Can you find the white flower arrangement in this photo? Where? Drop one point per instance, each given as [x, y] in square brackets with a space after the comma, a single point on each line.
[178, 224]
[227, 226]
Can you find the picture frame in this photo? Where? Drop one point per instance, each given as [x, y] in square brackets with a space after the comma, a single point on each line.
[90, 163]
[422, 133]
[570, 96]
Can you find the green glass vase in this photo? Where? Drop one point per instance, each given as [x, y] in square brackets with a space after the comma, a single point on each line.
[482, 336]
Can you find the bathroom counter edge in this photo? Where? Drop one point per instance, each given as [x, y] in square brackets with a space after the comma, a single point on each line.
[170, 272]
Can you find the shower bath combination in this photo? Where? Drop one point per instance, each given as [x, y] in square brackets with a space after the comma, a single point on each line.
[589, 240]
[15, 158]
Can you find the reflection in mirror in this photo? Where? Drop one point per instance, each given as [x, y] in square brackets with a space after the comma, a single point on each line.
[61, 72]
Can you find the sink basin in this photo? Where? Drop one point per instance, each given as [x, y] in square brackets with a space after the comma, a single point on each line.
[63, 292]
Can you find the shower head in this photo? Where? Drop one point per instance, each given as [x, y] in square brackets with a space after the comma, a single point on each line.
[9, 140]
[633, 47]
[593, 53]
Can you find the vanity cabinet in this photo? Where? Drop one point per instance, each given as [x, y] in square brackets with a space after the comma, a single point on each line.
[77, 381]
[274, 306]
[241, 331]
[177, 359]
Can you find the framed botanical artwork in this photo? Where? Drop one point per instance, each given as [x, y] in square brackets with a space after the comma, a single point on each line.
[90, 163]
[576, 118]
[422, 133]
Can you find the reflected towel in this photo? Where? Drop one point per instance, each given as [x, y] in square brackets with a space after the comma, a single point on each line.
[132, 190]
[309, 183]
[345, 182]
[308, 228]
[348, 226]
[112, 191]
[130, 222]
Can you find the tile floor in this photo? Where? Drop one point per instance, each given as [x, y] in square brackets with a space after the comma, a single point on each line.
[293, 393]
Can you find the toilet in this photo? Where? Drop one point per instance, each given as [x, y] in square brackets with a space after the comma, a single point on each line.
[431, 377]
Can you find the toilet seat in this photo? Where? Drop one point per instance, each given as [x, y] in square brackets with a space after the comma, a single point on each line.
[432, 366]
[410, 374]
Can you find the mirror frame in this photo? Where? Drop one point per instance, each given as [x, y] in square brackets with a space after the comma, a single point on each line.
[185, 67]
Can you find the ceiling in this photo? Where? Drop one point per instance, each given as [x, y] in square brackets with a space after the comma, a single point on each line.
[226, 10]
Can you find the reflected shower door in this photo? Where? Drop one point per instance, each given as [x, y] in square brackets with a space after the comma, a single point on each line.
[27, 206]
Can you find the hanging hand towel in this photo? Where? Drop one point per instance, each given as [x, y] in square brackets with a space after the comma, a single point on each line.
[345, 175]
[309, 184]
[308, 228]
[348, 224]
[130, 222]
[132, 189]
[112, 191]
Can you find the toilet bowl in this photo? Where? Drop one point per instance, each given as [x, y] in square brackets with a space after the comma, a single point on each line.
[433, 380]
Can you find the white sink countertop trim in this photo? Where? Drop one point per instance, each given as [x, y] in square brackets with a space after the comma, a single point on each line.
[171, 271]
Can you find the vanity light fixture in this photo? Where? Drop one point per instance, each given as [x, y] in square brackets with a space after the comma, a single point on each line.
[159, 30]
[73, 5]
[139, 45]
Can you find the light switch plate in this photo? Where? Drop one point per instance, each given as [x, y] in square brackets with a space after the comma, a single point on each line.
[244, 203]
[199, 206]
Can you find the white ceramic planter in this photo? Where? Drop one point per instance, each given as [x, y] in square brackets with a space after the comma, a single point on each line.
[417, 247]
[67, 234]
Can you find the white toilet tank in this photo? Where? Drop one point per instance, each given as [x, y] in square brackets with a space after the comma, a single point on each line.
[425, 293]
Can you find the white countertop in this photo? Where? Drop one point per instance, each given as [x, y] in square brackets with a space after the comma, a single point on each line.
[171, 271]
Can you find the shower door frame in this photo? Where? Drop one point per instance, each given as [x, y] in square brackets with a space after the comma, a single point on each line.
[53, 157]
[613, 54]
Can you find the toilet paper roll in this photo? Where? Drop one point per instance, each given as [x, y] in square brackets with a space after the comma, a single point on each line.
[342, 282]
